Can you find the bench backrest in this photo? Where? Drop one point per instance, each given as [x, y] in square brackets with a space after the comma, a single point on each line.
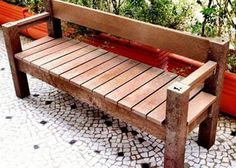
[156, 36]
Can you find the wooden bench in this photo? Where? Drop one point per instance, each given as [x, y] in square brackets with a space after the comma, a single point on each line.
[161, 103]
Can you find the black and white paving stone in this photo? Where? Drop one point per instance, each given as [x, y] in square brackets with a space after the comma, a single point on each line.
[51, 129]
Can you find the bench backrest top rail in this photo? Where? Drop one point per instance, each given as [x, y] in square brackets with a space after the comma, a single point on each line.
[178, 42]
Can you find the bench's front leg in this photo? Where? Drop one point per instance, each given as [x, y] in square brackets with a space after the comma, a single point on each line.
[13, 46]
[176, 125]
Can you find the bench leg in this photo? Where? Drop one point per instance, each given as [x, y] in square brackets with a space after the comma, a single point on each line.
[207, 129]
[176, 125]
[13, 46]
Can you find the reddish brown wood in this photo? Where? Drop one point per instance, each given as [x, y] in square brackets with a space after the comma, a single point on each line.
[176, 125]
[13, 46]
[37, 43]
[143, 92]
[80, 79]
[134, 84]
[54, 24]
[121, 79]
[207, 129]
[65, 59]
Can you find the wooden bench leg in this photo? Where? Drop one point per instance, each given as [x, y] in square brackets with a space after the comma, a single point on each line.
[207, 129]
[176, 125]
[13, 46]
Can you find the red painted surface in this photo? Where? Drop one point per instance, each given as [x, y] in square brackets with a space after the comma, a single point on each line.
[154, 57]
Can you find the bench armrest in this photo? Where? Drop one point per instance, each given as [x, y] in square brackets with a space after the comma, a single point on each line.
[28, 22]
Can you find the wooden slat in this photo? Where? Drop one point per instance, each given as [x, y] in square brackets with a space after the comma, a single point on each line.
[101, 79]
[59, 54]
[78, 61]
[146, 90]
[199, 104]
[200, 75]
[37, 43]
[121, 79]
[94, 100]
[156, 36]
[134, 84]
[154, 100]
[49, 51]
[63, 60]
[80, 79]
[87, 66]
[158, 115]
[42, 47]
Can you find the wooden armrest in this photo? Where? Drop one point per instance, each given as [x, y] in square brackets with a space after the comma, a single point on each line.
[28, 22]
[200, 75]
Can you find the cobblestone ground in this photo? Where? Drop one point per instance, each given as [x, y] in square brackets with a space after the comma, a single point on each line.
[50, 129]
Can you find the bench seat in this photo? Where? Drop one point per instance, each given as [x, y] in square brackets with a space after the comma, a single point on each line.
[136, 87]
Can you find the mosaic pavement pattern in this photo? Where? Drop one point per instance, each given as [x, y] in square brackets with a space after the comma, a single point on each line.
[51, 129]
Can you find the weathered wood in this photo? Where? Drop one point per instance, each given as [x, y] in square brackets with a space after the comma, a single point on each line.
[54, 24]
[156, 36]
[214, 85]
[94, 100]
[200, 75]
[176, 125]
[32, 20]
[13, 45]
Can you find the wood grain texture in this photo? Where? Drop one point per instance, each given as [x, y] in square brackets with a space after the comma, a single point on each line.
[112, 73]
[176, 125]
[134, 84]
[121, 79]
[146, 90]
[80, 79]
[40, 48]
[87, 66]
[64, 52]
[153, 35]
[65, 59]
[52, 50]
[36, 43]
[13, 46]
[86, 96]
[77, 62]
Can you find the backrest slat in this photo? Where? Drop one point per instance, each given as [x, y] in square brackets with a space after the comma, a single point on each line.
[156, 36]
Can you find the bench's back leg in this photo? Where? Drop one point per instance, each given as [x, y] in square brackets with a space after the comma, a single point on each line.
[54, 24]
[214, 85]
[13, 46]
[176, 127]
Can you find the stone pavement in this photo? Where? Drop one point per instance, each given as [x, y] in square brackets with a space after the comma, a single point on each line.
[50, 129]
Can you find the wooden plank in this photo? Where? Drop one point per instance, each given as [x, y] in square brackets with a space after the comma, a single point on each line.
[63, 60]
[42, 47]
[121, 79]
[77, 62]
[200, 75]
[32, 20]
[80, 79]
[94, 100]
[153, 35]
[134, 84]
[87, 66]
[37, 43]
[13, 46]
[176, 127]
[146, 90]
[49, 51]
[202, 101]
[105, 77]
[48, 58]
[158, 115]
[154, 100]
